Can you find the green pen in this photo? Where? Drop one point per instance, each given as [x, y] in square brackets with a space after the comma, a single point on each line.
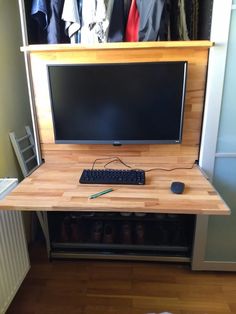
[100, 193]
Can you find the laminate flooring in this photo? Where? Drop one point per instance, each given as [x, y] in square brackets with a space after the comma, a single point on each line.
[100, 287]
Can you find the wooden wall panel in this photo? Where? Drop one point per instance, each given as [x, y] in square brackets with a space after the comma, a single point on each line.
[185, 153]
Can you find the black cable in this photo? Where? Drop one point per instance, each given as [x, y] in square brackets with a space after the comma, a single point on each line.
[171, 169]
[116, 158]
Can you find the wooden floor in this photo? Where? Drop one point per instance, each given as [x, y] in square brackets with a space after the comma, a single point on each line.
[97, 287]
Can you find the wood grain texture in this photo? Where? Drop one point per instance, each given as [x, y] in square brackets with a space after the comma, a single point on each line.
[92, 287]
[56, 187]
[187, 152]
[122, 45]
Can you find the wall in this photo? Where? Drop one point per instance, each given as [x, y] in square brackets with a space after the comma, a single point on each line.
[14, 104]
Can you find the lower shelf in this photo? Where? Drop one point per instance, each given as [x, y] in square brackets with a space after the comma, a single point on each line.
[157, 237]
[121, 257]
[115, 247]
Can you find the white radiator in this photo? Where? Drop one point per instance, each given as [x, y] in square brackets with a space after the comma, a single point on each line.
[14, 260]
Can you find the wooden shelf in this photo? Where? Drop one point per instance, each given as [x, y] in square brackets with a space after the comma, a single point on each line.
[124, 45]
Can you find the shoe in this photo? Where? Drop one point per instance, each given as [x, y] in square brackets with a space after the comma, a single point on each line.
[65, 230]
[172, 216]
[74, 232]
[139, 233]
[176, 234]
[96, 232]
[160, 216]
[163, 234]
[125, 214]
[140, 214]
[109, 234]
[126, 233]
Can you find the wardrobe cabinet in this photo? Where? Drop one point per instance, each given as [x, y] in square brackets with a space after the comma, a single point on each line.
[37, 56]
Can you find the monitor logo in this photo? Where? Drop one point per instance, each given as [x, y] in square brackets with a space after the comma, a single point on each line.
[116, 143]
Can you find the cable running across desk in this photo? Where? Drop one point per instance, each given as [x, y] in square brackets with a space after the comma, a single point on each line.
[116, 158]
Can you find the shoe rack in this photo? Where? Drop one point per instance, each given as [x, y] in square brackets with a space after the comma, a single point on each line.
[125, 236]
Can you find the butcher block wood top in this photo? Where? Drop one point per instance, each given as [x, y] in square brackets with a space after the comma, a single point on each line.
[194, 52]
[56, 187]
[121, 45]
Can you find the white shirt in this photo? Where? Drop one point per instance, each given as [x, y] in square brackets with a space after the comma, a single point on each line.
[70, 15]
[94, 22]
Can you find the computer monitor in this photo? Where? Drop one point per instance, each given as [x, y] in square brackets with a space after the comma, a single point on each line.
[118, 103]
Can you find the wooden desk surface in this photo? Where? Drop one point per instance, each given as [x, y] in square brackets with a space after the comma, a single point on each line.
[57, 188]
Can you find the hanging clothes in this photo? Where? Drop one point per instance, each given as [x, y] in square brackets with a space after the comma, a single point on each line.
[117, 22]
[48, 15]
[101, 21]
[174, 19]
[178, 24]
[150, 18]
[109, 9]
[55, 29]
[39, 12]
[127, 5]
[88, 21]
[164, 30]
[192, 16]
[195, 18]
[94, 22]
[132, 26]
[183, 30]
[71, 14]
[189, 17]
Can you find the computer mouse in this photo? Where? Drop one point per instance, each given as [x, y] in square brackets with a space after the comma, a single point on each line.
[177, 187]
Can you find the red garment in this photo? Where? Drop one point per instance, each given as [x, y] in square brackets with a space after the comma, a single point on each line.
[132, 27]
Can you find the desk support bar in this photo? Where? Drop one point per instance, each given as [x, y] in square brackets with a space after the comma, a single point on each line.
[200, 238]
[43, 220]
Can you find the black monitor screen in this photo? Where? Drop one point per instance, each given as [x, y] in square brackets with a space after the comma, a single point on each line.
[118, 103]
